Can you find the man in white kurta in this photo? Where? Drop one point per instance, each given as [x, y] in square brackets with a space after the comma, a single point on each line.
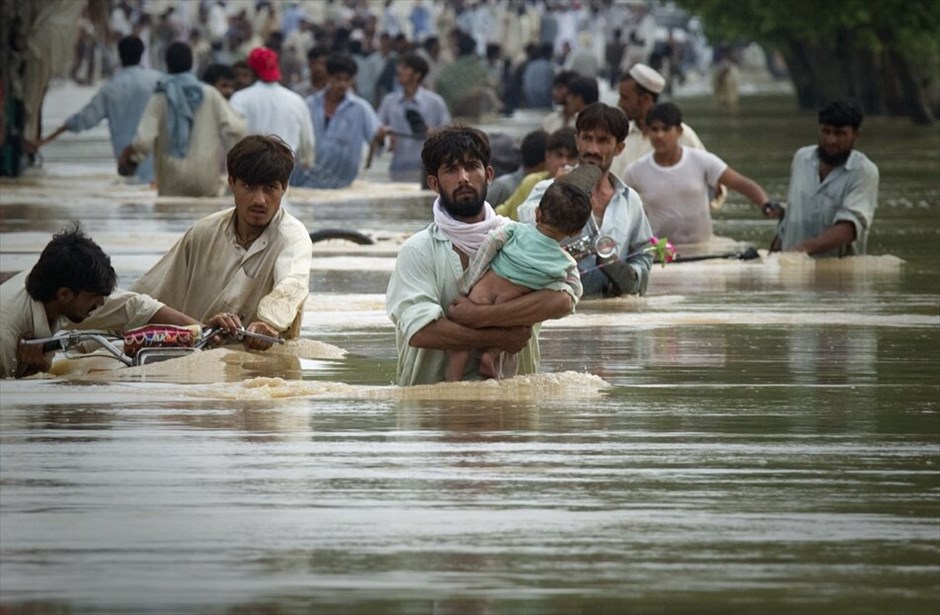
[207, 272]
[212, 130]
[271, 109]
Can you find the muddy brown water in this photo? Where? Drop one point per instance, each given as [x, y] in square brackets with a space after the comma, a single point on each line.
[752, 437]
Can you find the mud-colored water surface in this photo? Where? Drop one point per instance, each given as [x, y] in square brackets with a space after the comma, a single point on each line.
[751, 437]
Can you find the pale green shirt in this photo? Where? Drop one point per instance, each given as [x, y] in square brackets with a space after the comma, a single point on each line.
[424, 283]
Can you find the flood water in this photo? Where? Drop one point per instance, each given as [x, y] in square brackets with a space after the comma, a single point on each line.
[752, 437]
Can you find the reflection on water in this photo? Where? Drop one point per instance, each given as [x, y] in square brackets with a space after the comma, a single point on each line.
[752, 437]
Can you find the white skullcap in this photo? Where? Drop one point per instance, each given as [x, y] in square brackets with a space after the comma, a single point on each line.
[648, 78]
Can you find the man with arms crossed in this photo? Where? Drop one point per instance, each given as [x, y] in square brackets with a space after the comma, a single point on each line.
[833, 190]
[423, 299]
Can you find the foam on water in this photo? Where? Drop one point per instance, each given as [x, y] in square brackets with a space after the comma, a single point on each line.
[560, 386]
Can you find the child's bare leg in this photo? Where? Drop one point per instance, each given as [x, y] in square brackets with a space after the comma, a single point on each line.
[489, 363]
[456, 364]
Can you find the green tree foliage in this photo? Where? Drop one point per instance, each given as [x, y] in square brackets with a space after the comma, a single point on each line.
[884, 52]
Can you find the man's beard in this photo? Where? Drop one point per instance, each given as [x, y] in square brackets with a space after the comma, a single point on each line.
[464, 207]
[833, 160]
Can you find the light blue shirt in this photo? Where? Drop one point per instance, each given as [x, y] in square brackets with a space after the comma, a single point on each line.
[121, 100]
[624, 221]
[849, 193]
[338, 142]
[406, 158]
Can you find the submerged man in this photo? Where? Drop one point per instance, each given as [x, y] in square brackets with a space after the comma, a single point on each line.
[72, 279]
[833, 190]
[423, 299]
[251, 261]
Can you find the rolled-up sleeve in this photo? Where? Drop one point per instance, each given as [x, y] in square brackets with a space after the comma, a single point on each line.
[861, 200]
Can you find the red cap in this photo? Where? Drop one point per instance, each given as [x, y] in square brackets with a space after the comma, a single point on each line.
[264, 62]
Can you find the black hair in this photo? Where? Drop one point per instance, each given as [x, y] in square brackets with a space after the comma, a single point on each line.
[415, 62]
[453, 144]
[563, 138]
[259, 160]
[585, 87]
[466, 44]
[565, 207]
[179, 58]
[845, 112]
[429, 43]
[339, 63]
[667, 113]
[532, 148]
[604, 117]
[216, 72]
[563, 78]
[130, 50]
[318, 51]
[71, 260]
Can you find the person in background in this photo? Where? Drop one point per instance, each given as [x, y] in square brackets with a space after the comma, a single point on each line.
[616, 209]
[188, 125]
[222, 78]
[408, 115]
[561, 151]
[316, 64]
[271, 109]
[423, 300]
[71, 282]
[560, 117]
[244, 76]
[639, 90]
[342, 124]
[674, 181]
[532, 153]
[250, 261]
[121, 100]
[538, 79]
[833, 190]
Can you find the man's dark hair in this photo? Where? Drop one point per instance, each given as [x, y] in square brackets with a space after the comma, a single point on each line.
[71, 260]
[604, 117]
[466, 44]
[562, 139]
[456, 143]
[532, 148]
[216, 72]
[845, 112]
[585, 87]
[179, 58]
[667, 113]
[130, 50]
[565, 206]
[546, 51]
[340, 63]
[416, 63]
[260, 160]
[318, 51]
[564, 78]
[429, 43]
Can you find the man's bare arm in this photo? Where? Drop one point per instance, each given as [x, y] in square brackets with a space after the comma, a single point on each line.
[527, 310]
[837, 235]
[445, 334]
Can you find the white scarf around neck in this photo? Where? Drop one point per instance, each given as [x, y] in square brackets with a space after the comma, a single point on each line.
[467, 236]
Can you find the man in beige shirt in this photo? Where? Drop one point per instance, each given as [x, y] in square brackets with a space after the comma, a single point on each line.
[71, 286]
[251, 261]
[189, 125]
